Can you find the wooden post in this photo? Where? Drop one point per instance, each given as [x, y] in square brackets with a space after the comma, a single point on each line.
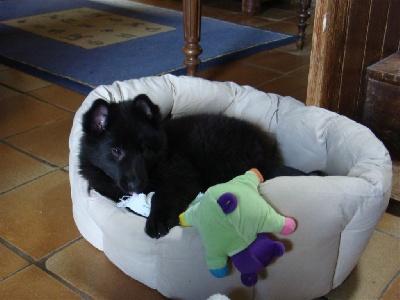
[327, 53]
[192, 29]
[348, 37]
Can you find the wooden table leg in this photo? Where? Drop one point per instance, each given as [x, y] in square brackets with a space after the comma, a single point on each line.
[192, 29]
[303, 15]
[251, 7]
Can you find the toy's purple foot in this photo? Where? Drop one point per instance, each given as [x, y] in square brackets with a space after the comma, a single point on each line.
[279, 249]
[249, 279]
[228, 202]
[257, 255]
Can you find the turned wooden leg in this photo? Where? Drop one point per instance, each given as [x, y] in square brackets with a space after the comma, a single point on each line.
[251, 7]
[192, 29]
[303, 15]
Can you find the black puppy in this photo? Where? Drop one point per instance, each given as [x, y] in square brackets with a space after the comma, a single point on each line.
[126, 148]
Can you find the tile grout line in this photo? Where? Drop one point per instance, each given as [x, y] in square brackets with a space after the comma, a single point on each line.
[41, 264]
[29, 94]
[55, 168]
[20, 91]
[30, 259]
[30, 155]
[17, 251]
[15, 272]
[393, 235]
[276, 71]
[3, 139]
[271, 80]
[65, 283]
[30, 181]
[388, 284]
[53, 104]
[43, 259]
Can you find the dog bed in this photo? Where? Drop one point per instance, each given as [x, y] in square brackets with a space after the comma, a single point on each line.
[336, 214]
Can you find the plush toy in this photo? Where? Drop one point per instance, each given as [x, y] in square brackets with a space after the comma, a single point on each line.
[232, 219]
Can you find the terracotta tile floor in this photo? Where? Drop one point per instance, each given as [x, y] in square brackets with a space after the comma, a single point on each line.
[43, 256]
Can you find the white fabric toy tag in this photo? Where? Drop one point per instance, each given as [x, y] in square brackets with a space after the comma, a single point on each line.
[139, 203]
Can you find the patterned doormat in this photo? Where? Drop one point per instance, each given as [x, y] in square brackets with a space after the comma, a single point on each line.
[86, 27]
[82, 44]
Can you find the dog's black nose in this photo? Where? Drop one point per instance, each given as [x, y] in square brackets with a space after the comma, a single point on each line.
[132, 184]
[129, 186]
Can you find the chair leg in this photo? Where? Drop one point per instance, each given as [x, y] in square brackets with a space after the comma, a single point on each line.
[251, 7]
[303, 15]
[192, 30]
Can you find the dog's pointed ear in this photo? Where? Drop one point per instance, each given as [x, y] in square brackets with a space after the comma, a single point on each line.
[95, 119]
[146, 107]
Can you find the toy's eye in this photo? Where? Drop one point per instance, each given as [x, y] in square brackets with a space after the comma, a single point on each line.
[117, 153]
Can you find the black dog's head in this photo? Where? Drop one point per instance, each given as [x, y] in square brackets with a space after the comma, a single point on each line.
[124, 140]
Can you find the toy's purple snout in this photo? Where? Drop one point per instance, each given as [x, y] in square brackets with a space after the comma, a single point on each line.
[228, 202]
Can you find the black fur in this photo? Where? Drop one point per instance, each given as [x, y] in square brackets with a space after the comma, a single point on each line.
[126, 148]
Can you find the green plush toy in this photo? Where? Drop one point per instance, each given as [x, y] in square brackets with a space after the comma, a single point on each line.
[231, 218]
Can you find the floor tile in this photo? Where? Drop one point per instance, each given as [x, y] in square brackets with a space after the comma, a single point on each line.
[21, 81]
[216, 13]
[301, 72]
[287, 86]
[3, 67]
[24, 112]
[276, 14]
[247, 20]
[376, 267]
[233, 6]
[390, 221]
[17, 168]
[48, 142]
[10, 262]
[285, 27]
[37, 217]
[292, 49]
[89, 270]
[33, 283]
[285, 4]
[393, 291]
[6, 92]
[60, 96]
[240, 73]
[299, 94]
[278, 61]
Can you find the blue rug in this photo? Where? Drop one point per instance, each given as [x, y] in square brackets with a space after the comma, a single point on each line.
[132, 41]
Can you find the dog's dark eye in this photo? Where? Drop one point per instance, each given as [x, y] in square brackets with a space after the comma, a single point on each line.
[116, 152]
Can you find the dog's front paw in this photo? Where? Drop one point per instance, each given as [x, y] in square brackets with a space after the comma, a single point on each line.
[158, 225]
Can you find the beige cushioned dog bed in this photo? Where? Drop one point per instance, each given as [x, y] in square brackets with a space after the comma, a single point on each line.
[336, 214]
